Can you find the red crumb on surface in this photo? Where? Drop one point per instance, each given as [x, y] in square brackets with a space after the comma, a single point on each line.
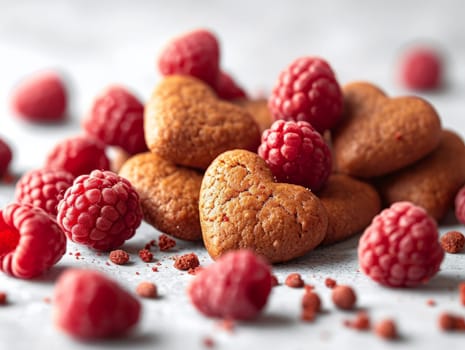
[311, 301]
[150, 244]
[386, 329]
[186, 262]
[462, 293]
[155, 269]
[166, 243]
[227, 324]
[361, 322]
[147, 290]
[194, 270]
[308, 315]
[294, 280]
[344, 297]
[208, 342]
[431, 302]
[119, 257]
[145, 255]
[452, 242]
[3, 298]
[47, 300]
[330, 283]
[274, 281]
[309, 287]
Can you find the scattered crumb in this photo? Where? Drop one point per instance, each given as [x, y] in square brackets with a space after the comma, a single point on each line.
[3, 298]
[308, 315]
[311, 301]
[451, 322]
[274, 281]
[330, 283]
[165, 243]
[462, 293]
[360, 323]
[186, 262]
[431, 302]
[452, 242]
[137, 273]
[227, 324]
[150, 244]
[195, 270]
[344, 297]
[145, 255]
[119, 257]
[208, 342]
[147, 290]
[386, 329]
[309, 287]
[294, 280]
[155, 269]
[47, 300]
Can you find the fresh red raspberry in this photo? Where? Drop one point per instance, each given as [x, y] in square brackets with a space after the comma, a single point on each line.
[421, 69]
[401, 247]
[100, 210]
[296, 153]
[31, 242]
[43, 188]
[5, 157]
[308, 90]
[236, 286]
[227, 89]
[460, 205]
[40, 97]
[117, 118]
[89, 305]
[196, 53]
[78, 155]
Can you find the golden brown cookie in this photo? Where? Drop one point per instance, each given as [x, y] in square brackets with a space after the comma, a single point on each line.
[259, 110]
[169, 194]
[379, 135]
[186, 123]
[242, 207]
[431, 182]
[351, 205]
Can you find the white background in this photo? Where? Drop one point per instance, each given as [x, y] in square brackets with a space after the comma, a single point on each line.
[97, 43]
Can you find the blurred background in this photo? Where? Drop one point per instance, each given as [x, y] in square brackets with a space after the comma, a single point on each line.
[97, 43]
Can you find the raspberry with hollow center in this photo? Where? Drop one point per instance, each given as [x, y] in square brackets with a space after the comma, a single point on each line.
[5, 157]
[400, 248]
[196, 53]
[43, 188]
[31, 242]
[117, 118]
[296, 153]
[78, 155]
[307, 90]
[89, 305]
[100, 210]
[421, 68]
[236, 286]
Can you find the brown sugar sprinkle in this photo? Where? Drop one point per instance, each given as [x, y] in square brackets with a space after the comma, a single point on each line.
[145, 255]
[294, 280]
[165, 243]
[462, 292]
[147, 290]
[186, 262]
[119, 257]
[344, 297]
[330, 283]
[274, 281]
[452, 242]
[361, 322]
[386, 329]
[431, 302]
[3, 298]
[451, 322]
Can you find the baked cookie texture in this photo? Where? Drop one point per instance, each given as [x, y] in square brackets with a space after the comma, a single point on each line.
[241, 206]
[186, 123]
[379, 135]
[260, 112]
[350, 204]
[169, 194]
[432, 182]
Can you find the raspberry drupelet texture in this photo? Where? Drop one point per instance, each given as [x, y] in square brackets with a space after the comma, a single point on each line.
[460, 205]
[78, 155]
[228, 89]
[307, 90]
[89, 305]
[421, 68]
[196, 53]
[43, 188]
[117, 118]
[31, 242]
[236, 286]
[100, 210]
[296, 153]
[40, 97]
[5, 157]
[401, 247]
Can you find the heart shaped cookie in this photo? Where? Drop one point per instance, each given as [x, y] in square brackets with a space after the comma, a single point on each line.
[169, 194]
[433, 181]
[379, 135]
[351, 205]
[186, 123]
[259, 111]
[241, 206]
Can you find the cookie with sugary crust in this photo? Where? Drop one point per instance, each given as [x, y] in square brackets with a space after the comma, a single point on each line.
[186, 123]
[379, 135]
[241, 206]
[169, 194]
[351, 204]
[259, 110]
[433, 181]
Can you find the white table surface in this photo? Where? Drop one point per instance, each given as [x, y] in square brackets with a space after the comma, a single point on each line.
[96, 43]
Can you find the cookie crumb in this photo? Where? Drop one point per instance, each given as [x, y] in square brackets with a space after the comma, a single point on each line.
[3, 298]
[431, 302]
[208, 342]
[119, 257]
[308, 315]
[145, 255]
[155, 269]
[360, 323]
[165, 243]
[311, 301]
[194, 270]
[147, 290]
[294, 280]
[386, 329]
[450, 322]
[344, 297]
[330, 283]
[46, 300]
[452, 242]
[150, 244]
[186, 262]
[227, 324]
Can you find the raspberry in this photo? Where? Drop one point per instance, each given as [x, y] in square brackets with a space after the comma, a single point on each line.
[5, 157]
[296, 153]
[78, 155]
[43, 188]
[89, 305]
[421, 69]
[235, 287]
[40, 97]
[308, 90]
[195, 53]
[400, 248]
[117, 118]
[100, 210]
[31, 242]
[227, 89]
[460, 205]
